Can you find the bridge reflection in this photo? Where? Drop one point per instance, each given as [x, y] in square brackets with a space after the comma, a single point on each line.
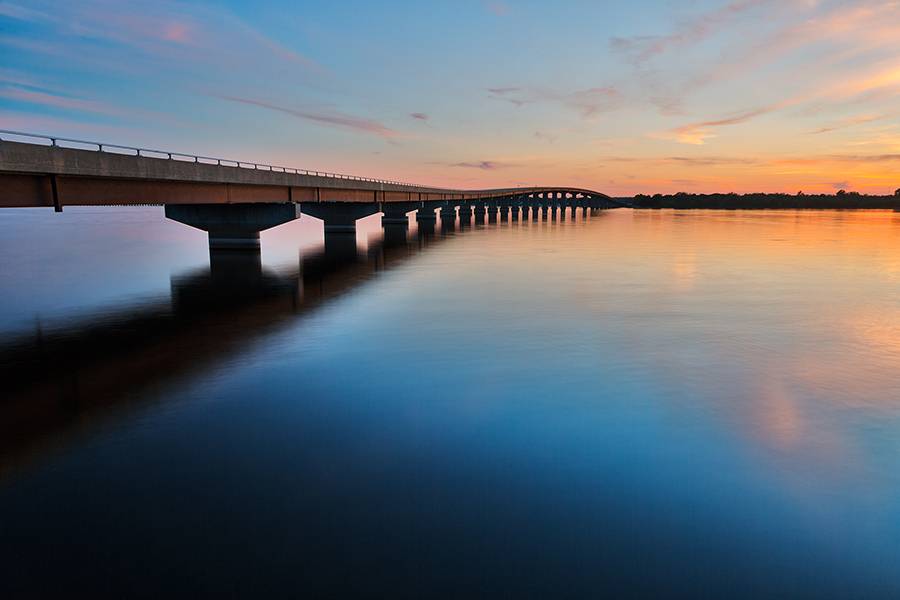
[63, 382]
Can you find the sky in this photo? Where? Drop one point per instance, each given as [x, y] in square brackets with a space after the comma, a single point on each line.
[624, 97]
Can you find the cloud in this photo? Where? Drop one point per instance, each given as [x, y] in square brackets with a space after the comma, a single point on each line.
[848, 123]
[593, 100]
[332, 119]
[419, 116]
[10, 89]
[22, 13]
[698, 133]
[508, 94]
[589, 102]
[640, 49]
[52, 100]
[182, 34]
[497, 7]
[842, 158]
[685, 161]
[710, 161]
[547, 137]
[484, 165]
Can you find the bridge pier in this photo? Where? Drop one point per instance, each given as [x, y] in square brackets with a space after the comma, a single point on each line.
[426, 213]
[479, 213]
[395, 213]
[448, 217]
[340, 217]
[395, 234]
[233, 226]
[465, 214]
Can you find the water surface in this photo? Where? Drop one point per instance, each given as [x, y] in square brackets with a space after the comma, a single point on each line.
[637, 402]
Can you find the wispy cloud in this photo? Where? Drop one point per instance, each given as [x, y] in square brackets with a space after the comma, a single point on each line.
[484, 165]
[589, 102]
[23, 13]
[53, 100]
[186, 33]
[497, 7]
[500, 91]
[513, 95]
[698, 133]
[684, 161]
[28, 92]
[640, 49]
[845, 123]
[419, 116]
[331, 119]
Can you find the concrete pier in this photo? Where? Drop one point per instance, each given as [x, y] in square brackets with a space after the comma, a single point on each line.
[448, 218]
[233, 226]
[426, 213]
[465, 215]
[340, 217]
[396, 213]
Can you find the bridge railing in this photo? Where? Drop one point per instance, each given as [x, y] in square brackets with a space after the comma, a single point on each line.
[61, 142]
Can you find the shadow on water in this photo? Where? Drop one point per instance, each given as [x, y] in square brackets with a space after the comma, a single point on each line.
[60, 382]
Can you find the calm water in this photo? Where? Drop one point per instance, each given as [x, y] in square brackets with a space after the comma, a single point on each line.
[657, 403]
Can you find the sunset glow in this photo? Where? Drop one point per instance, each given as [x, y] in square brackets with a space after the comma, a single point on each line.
[644, 97]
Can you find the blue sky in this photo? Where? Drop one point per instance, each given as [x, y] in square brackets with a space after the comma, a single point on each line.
[640, 96]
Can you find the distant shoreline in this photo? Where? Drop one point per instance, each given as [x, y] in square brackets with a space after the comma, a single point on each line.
[841, 200]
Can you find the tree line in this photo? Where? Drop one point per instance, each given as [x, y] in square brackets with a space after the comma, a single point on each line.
[841, 199]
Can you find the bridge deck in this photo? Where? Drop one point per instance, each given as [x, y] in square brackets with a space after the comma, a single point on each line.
[44, 175]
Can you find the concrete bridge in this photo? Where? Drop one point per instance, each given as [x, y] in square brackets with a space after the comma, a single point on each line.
[234, 200]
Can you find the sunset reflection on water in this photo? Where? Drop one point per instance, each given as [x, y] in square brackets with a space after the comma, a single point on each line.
[699, 402]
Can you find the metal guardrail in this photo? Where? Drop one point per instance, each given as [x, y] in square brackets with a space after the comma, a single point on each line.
[163, 154]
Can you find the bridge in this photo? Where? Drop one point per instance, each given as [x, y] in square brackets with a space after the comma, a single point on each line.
[234, 200]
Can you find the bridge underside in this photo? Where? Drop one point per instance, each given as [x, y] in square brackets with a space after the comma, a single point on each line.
[35, 190]
[235, 214]
[233, 204]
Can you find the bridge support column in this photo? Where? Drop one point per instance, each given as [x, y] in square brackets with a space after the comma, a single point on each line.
[395, 234]
[233, 226]
[465, 214]
[340, 217]
[479, 213]
[395, 213]
[426, 213]
[448, 217]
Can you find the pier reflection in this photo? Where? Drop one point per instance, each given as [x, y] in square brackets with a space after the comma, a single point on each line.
[59, 382]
